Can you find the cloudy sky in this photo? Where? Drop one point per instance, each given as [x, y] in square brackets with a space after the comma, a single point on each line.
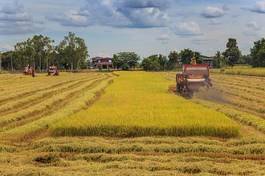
[144, 26]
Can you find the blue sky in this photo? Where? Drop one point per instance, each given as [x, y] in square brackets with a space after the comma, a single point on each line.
[144, 26]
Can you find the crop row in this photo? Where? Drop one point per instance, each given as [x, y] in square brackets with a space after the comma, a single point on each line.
[23, 102]
[143, 156]
[47, 105]
[242, 117]
[41, 116]
[20, 88]
[245, 94]
[138, 104]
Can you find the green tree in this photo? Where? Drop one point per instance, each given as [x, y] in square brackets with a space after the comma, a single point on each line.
[151, 63]
[72, 51]
[219, 60]
[7, 60]
[125, 60]
[258, 54]
[42, 47]
[34, 51]
[162, 62]
[232, 53]
[245, 59]
[154, 63]
[186, 55]
[173, 61]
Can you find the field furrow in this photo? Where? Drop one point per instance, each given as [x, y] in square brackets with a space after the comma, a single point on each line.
[84, 99]
[39, 97]
[49, 105]
[17, 94]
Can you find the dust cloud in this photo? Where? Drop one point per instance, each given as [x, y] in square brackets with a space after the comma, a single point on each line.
[211, 94]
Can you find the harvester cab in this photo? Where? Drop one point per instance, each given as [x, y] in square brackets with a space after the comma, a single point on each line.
[192, 78]
[53, 71]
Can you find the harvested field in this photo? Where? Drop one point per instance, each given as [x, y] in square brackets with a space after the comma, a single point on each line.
[135, 104]
[32, 107]
[242, 70]
[137, 156]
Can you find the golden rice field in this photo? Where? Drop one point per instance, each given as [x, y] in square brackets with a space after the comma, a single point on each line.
[139, 104]
[104, 124]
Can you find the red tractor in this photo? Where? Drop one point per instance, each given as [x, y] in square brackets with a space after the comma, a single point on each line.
[192, 78]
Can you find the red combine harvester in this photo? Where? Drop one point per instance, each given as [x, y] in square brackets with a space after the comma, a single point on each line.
[28, 70]
[193, 77]
[53, 71]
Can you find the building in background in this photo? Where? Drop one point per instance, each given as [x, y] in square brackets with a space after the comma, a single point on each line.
[102, 63]
[207, 60]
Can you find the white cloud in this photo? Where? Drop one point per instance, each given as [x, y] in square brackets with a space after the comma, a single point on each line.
[15, 20]
[117, 13]
[214, 12]
[259, 7]
[187, 29]
[145, 17]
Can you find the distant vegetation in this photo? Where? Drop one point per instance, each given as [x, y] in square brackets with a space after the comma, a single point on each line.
[126, 60]
[72, 54]
[40, 52]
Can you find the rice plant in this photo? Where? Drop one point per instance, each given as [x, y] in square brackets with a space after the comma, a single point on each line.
[139, 104]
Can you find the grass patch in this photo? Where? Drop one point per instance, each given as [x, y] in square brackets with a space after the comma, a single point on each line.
[138, 104]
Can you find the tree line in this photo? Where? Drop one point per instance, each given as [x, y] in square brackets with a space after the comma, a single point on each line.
[72, 54]
[40, 52]
[230, 57]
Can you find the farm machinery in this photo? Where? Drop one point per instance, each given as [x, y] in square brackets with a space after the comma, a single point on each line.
[53, 71]
[192, 78]
[28, 70]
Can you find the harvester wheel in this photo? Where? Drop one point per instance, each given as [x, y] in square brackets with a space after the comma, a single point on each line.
[178, 88]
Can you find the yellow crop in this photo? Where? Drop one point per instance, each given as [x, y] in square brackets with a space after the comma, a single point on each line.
[139, 104]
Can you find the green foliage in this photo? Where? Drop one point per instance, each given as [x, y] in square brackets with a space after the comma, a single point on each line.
[40, 52]
[125, 60]
[245, 59]
[232, 53]
[173, 61]
[219, 60]
[35, 51]
[73, 51]
[186, 55]
[154, 63]
[258, 53]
